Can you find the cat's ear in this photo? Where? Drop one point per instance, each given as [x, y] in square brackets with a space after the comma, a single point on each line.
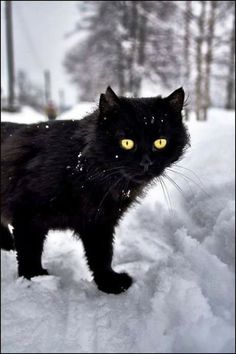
[176, 100]
[108, 101]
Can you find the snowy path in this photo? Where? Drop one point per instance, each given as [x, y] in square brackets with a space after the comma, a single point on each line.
[182, 261]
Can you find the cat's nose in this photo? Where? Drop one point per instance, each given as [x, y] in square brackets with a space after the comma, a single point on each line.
[146, 162]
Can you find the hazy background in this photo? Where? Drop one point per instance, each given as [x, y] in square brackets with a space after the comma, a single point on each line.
[138, 47]
[40, 42]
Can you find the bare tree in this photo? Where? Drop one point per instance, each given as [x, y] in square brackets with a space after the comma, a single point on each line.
[127, 43]
[187, 45]
[123, 49]
[199, 60]
[230, 84]
[210, 33]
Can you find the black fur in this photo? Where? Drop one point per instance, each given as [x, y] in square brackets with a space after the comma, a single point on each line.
[74, 174]
[7, 129]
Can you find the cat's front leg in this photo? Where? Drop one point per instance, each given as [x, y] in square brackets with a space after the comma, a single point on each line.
[98, 245]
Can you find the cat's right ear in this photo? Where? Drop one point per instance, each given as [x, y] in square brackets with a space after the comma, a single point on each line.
[108, 101]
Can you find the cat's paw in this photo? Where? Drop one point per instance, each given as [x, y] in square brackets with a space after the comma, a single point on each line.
[113, 283]
[30, 273]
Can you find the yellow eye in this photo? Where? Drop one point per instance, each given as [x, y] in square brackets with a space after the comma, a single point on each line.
[160, 143]
[127, 144]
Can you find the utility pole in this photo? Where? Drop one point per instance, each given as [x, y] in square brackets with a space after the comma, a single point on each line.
[10, 56]
[47, 86]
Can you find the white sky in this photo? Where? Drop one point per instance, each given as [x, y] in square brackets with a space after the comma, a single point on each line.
[40, 43]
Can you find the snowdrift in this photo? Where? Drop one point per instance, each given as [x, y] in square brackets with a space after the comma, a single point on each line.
[180, 251]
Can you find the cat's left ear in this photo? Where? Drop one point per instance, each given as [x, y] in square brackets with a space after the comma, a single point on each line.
[108, 101]
[176, 100]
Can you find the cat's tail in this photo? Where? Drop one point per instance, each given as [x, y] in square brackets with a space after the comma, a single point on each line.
[6, 239]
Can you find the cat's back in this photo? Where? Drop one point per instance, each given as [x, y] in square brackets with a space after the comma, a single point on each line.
[19, 138]
[34, 159]
[8, 129]
[37, 146]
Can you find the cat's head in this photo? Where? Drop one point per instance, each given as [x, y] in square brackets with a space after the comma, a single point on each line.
[140, 137]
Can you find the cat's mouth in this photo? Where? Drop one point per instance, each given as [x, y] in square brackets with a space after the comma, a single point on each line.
[139, 178]
[144, 177]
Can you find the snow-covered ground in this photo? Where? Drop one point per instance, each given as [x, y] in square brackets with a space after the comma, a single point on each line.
[26, 115]
[180, 253]
[79, 111]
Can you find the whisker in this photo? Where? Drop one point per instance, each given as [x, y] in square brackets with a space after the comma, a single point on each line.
[105, 173]
[164, 193]
[168, 195]
[190, 179]
[194, 173]
[186, 179]
[176, 186]
[174, 183]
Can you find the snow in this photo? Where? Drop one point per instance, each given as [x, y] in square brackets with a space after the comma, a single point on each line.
[29, 115]
[26, 115]
[180, 254]
[79, 111]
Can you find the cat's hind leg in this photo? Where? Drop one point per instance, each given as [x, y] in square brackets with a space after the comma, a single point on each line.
[29, 238]
[7, 242]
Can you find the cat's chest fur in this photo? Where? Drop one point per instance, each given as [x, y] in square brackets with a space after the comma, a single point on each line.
[99, 202]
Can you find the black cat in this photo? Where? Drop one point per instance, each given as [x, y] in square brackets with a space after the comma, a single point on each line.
[83, 175]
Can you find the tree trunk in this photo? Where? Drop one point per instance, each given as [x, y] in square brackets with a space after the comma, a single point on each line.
[209, 57]
[199, 61]
[187, 20]
[139, 55]
[120, 69]
[121, 55]
[230, 85]
[133, 45]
